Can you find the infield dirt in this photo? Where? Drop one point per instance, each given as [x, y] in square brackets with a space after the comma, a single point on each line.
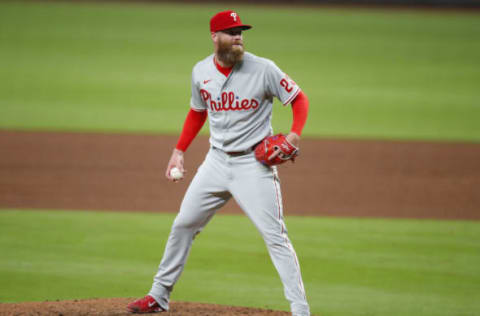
[76, 171]
[330, 178]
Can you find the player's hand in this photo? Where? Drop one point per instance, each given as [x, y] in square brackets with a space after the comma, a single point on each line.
[176, 160]
[293, 138]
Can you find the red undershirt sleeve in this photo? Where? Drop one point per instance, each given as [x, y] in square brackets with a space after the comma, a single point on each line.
[193, 124]
[300, 113]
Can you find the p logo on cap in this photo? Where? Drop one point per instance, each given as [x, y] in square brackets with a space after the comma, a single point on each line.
[226, 20]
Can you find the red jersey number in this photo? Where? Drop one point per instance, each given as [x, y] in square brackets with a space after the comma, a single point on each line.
[284, 83]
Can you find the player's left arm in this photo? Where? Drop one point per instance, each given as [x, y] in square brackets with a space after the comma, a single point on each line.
[280, 85]
[300, 113]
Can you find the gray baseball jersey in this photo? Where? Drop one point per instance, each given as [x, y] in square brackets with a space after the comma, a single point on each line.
[239, 109]
[240, 105]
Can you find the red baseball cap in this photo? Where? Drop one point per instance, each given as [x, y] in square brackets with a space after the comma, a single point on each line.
[226, 20]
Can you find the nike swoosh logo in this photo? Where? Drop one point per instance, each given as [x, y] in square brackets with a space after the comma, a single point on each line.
[206, 81]
[151, 304]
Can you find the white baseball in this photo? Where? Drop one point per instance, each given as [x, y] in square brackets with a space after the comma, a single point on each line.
[176, 174]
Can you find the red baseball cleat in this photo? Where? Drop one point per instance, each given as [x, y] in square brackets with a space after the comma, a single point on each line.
[144, 305]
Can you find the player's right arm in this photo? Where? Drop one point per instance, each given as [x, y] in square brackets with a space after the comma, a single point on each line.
[193, 124]
[194, 121]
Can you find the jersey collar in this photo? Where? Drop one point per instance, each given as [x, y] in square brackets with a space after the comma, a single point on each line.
[224, 70]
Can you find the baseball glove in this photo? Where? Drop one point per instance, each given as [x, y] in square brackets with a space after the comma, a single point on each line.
[270, 144]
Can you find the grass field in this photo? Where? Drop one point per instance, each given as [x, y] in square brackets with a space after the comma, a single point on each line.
[125, 67]
[350, 266]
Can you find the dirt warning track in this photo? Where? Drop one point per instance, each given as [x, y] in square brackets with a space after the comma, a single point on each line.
[87, 171]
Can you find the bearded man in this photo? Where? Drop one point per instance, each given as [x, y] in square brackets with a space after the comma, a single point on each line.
[235, 90]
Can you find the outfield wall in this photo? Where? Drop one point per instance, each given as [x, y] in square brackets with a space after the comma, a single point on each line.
[413, 3]
[435, 3]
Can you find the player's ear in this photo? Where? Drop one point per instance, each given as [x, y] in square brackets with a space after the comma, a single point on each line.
[214, 36]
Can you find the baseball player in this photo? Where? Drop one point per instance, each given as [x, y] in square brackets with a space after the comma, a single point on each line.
[235, 90]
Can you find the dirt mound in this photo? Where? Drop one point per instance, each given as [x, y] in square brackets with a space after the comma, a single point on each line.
[117, 306]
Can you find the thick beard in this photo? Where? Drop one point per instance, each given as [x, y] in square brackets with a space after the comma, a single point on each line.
[229, 54]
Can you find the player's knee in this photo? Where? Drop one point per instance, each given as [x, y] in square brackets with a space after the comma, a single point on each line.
[184, 225]
[182, 231]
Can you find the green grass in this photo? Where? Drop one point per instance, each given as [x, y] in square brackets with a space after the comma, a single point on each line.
[350, 266]
[126, 68]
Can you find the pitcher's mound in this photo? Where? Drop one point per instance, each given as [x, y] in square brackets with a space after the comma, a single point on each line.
[117, 306]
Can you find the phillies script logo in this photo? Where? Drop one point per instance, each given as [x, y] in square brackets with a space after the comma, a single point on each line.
[228, 102]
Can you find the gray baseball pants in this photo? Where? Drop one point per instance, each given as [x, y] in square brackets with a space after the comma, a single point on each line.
[256, 189]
